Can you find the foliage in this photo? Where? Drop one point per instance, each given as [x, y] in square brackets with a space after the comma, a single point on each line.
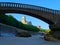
[44, 30]
[30, 27]
[10, 20]
[3, 18]
[47, 31]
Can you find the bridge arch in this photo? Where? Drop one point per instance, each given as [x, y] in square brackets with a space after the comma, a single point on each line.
[42, 13]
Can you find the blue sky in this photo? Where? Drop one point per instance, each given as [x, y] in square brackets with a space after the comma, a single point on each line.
[54, 4]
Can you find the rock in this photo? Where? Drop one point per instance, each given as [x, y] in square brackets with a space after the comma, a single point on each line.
[49, 37]
[23, 34]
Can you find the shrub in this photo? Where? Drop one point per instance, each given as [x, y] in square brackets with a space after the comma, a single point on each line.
[30, 28]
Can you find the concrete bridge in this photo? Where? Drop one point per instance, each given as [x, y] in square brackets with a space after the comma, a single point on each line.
[50, 16]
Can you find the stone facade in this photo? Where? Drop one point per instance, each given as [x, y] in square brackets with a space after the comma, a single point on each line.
[38, 26]
[24, 21]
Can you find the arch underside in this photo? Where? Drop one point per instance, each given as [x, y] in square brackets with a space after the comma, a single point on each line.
[46, 17]
[45, 14]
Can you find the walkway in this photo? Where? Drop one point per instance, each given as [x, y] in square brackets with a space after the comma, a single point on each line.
[35, 40]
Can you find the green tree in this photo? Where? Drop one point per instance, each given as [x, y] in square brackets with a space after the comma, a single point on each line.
[12, 21]
[3, 18]
[44, 30]
[30, 27]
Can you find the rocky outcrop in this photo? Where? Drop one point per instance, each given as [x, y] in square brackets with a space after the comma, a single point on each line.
[23, 34]
[50, 37]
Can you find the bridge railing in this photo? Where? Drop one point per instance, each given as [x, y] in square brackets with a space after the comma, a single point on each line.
[19, 5]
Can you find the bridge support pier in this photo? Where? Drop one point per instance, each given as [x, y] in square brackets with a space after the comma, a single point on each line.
[0, 30]
[55, 31]
[1, 13]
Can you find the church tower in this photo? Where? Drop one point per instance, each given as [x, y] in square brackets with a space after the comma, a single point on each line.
[23, 19]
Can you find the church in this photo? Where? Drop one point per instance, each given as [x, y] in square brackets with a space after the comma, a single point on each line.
[24, 21]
